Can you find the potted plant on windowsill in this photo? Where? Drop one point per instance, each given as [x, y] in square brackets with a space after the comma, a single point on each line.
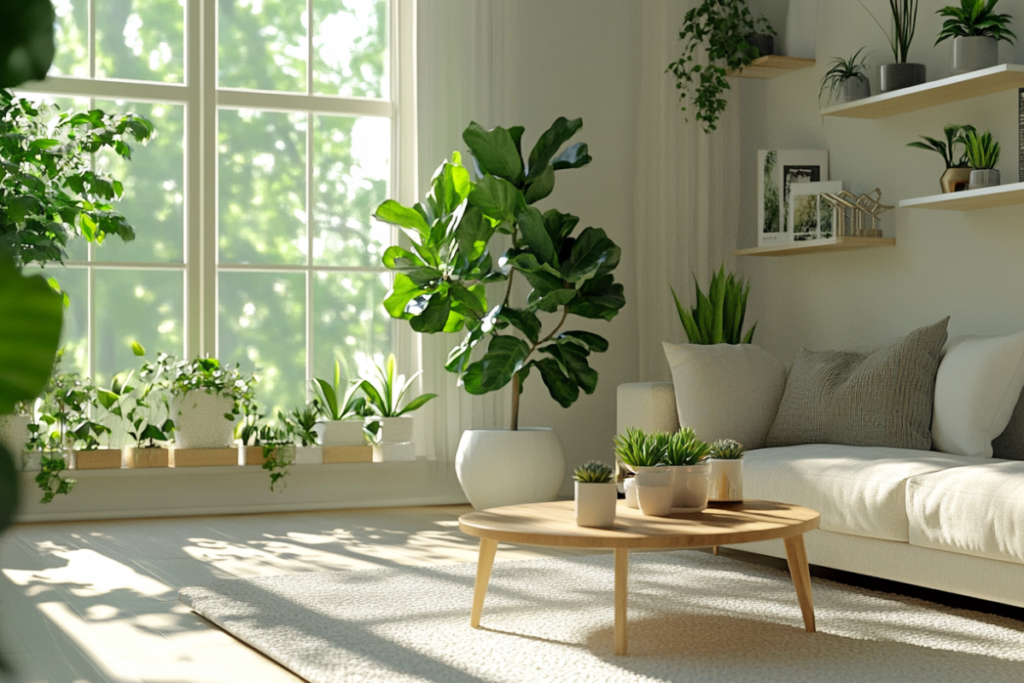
[900, 74]
[390, 424]
[302, 423]
[983, 155]
[343, 412]
[975, 30]
[846, 80]
[958, 170]
[440, 287]
[596, 496]
[687, 455]
[726, 460]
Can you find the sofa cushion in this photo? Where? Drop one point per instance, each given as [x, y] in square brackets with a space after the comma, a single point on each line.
[726, 391]
[1010, 444]
[858, 490]
[976, 389]
[975, 510]
[883, 398]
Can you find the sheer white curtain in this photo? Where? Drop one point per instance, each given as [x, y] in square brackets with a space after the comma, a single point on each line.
[686, 194]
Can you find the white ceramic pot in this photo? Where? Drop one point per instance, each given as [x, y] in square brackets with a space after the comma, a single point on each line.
[394, 452]
[654, 492]
[983, 177]
[309, 455]
[498, 467]
[726, 480]
[629, 488]
[396, 429]
[690, 490]
[595, 504]
[343, 433]
[971, 53]
[199, 420]
[14, 433]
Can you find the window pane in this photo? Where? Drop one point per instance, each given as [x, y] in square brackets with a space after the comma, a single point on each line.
[349, 321]
[262, 44]
[262, 187]
[141, 40]
[71, 34]
[350, 48]
[74, 333]
[262, 325]
[153, 200]
[350, 178]
[146, 306]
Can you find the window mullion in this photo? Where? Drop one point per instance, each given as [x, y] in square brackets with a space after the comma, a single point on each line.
[207, 190]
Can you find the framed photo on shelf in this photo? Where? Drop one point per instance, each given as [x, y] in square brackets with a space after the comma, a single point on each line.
[810, 217]
[778, 170]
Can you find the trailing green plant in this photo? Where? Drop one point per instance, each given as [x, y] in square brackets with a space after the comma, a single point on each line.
[64, 419]
[278, 452]
[207, 375]
[50, 191]
[456, 233]
[149, 418]
[982, 150]
[49, 479]
[721, 28]
[955, 135]
[328, 394]
[726, 449]
[636, 449]
[718, 316]
[684, 449]
[841, 71]
[904, 23]
[594, 472]
[975, 18]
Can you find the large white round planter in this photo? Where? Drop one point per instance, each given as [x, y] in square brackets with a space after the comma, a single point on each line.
[396, 429]
[14, 433]
[498, 467]
[726, 481]
[690, 490]
[595, 504]
[199, 420]
[343, 433]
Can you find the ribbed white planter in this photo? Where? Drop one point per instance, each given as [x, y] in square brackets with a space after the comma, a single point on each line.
[498, 467]
[199, 420]
[726, 481]
[690, 490]
[343, 433]
[595, 504]
[14, 433]
[396, 429]
[984, 177]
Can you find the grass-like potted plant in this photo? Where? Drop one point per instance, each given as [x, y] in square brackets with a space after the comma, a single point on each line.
[718, 316]
[467, 235]
[596, 495]
[900, 74]
[975, 30]
[390, 423]
[983, 155]
[958, 170]
[342, 409]
[846, 80]
[731, 38]
[638, 452]
[688, 455]
[726, 460]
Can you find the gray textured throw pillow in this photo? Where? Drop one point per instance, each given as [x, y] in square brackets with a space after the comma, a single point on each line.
[1010, 444]
[882, 398]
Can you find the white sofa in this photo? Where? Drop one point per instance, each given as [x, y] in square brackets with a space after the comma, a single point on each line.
[948, 522]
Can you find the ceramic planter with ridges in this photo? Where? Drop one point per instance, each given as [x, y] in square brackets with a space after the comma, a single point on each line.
[343, 433]
[853, 89]
[595, 504]
[498, 467]
[726, 481]
[984, 177]
[199, 420]
[690, 490]
[971, 53]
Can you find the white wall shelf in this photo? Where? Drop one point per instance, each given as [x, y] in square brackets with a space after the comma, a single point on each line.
[840, 244]
[970, 200]
[772, 66]
[965, 86]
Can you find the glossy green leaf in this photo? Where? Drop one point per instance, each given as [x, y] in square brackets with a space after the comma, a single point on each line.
[434, 317]
[689, 324]
[559, 225]
[473, 234]
[505, 356]
[395, 214]
[573, 361]
[573, 156]
[541, 186]
[550, 142]
[590, 252]
[497, 198]
[553, 300]
[594, 342]
[536, 237]
[542, 277]
[524, 321]
[599, 298]
[472, 299]
[402, 292]
[138, 349]
[398, 258]
[560, 386]
[495, 151]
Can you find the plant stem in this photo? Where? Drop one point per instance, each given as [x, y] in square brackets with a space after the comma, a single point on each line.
[515, 402]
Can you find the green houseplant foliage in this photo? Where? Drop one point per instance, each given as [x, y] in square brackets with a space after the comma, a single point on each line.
[684, 449]
[335, 404]
[26, 41]
[726, 449]
[955, 135]
[841, 71]
[904, 23]
[593, 472]
[722, 28]
[982, 150]
[718, 316]
[636, 448]
[975, 18]
[440, 285]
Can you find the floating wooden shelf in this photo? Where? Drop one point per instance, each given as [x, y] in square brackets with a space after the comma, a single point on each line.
[840, 244]
[965, 86]
[970, 200]
[771, 66]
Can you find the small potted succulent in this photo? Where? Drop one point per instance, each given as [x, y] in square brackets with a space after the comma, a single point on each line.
[958, 170]
[983, 155]
[900, 74]
[390, 423]
[639, 452]
[846, 80]
[975, 30]
[596, 495]
[726, 460]
[687, 455]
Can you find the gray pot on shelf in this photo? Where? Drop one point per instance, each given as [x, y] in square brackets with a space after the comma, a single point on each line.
[853, 89]
[971, 53]
[898, 76]
[984, 177]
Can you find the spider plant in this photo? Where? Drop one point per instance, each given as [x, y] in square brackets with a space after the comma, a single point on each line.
[955, 134]
[841, 71]
[593, 472]
[684, 449]
[982, 150]
[975, 18]
[904, 21]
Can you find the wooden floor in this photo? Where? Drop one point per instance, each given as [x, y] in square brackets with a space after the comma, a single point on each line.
[97, 601]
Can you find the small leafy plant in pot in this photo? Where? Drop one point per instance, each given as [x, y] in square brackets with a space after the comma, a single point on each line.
[900, 74]
[976, 31]
[687, 455]
[958, 170]
[638, 452]
[732, 39]
[983, 155]
[726, 460]
[343, 411]
[390, 425]
[596, 495]
[846, 80]
[302, 423]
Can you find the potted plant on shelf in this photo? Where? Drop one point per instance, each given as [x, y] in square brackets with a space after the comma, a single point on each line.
[687, 455]
[958, 171]
[983, 155]
[976, 31]
[726, 460]
[343, 411]
[732, 39]
[846, 80]
[718, 316]
[207, 400]
[596, 496]
[149, 423]
[390, 425]
[302, 423]
[900, 74]
[467, 235]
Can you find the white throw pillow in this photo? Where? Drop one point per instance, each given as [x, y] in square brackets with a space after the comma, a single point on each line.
[976, 389]
[726, 391]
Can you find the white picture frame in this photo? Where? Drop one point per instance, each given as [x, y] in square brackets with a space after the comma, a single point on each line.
[812, 219]
[777, 171]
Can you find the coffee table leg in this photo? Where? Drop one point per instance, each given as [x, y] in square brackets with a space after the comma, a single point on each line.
[797, 556]
[483, 576]
[621, 583]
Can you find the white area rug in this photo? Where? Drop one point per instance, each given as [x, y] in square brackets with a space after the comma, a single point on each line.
[692, 617]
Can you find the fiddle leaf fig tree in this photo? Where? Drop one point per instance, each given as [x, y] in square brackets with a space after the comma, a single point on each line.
[467, 235]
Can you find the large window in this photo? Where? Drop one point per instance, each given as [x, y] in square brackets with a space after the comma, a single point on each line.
[278, 128]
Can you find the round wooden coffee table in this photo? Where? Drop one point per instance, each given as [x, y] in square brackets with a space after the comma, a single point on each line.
[554, 524]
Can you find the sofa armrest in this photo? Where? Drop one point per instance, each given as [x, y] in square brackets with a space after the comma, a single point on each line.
[650, 406]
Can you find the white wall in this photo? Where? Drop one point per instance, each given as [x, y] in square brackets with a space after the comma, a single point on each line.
[965, 265]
